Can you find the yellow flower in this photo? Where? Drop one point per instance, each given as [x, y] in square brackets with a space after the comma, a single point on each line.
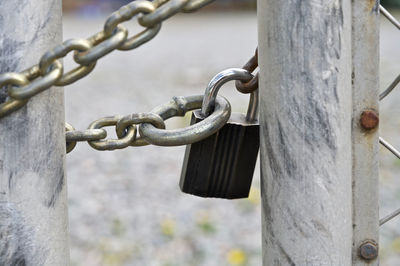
[168, 227]
[396, 245]
[236, 257]
[114, 255]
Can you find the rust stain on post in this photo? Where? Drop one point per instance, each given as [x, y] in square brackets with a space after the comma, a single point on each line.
[371, 4]
[369, 120]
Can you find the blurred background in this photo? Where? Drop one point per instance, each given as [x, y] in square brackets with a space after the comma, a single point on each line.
[390, 3]
[126, 207]
[101, 6]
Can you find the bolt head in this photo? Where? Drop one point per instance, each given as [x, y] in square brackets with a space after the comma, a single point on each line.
[369, 119]
[369, 250]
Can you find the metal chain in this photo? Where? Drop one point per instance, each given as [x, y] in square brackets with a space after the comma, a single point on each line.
[49, 72]
[151, 125]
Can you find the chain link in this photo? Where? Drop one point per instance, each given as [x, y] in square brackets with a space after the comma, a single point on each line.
[179, 106]
[72, 136]
[152, 126]
[10, 79]
[251, 85]
[112, 144]
[49, 72]
[39, 84]
[137, 119]
[165, 10]
[101, 45]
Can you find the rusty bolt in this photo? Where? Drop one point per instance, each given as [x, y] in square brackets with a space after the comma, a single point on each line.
[369, 119]
[369, 250]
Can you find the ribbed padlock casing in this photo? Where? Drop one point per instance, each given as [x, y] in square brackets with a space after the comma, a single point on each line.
[222, 165]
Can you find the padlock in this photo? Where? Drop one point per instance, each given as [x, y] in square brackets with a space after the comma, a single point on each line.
[222, 165]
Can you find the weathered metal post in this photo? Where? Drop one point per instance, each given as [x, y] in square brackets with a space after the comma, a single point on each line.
[318, 73]
[365, 135]
[33, 194]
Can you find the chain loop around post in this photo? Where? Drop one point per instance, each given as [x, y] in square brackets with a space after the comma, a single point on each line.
[40, 84]
[70, 145]
[10, 79]
[72, 136]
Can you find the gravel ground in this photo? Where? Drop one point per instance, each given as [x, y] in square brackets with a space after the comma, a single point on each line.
[126, 207]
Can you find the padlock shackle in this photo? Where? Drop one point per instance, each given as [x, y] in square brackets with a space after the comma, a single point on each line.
[220, 79]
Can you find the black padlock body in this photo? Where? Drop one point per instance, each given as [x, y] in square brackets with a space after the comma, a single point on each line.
[222, 165]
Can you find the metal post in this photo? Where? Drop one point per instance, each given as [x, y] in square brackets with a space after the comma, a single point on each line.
[319, 139]
[306, 145]
[365, 138]
[33, 194]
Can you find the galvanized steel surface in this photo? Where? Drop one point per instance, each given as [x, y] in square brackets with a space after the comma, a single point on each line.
[33, 184]
[305, 89]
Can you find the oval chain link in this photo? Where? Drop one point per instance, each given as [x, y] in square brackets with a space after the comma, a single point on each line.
[136, 119]
[112, 144]
[11, 79]
[61, 51]
[87, 52]
[101, 45]
[39, 84]
[72, 136]
[164, 11]
[126, 13]
[179, 106]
